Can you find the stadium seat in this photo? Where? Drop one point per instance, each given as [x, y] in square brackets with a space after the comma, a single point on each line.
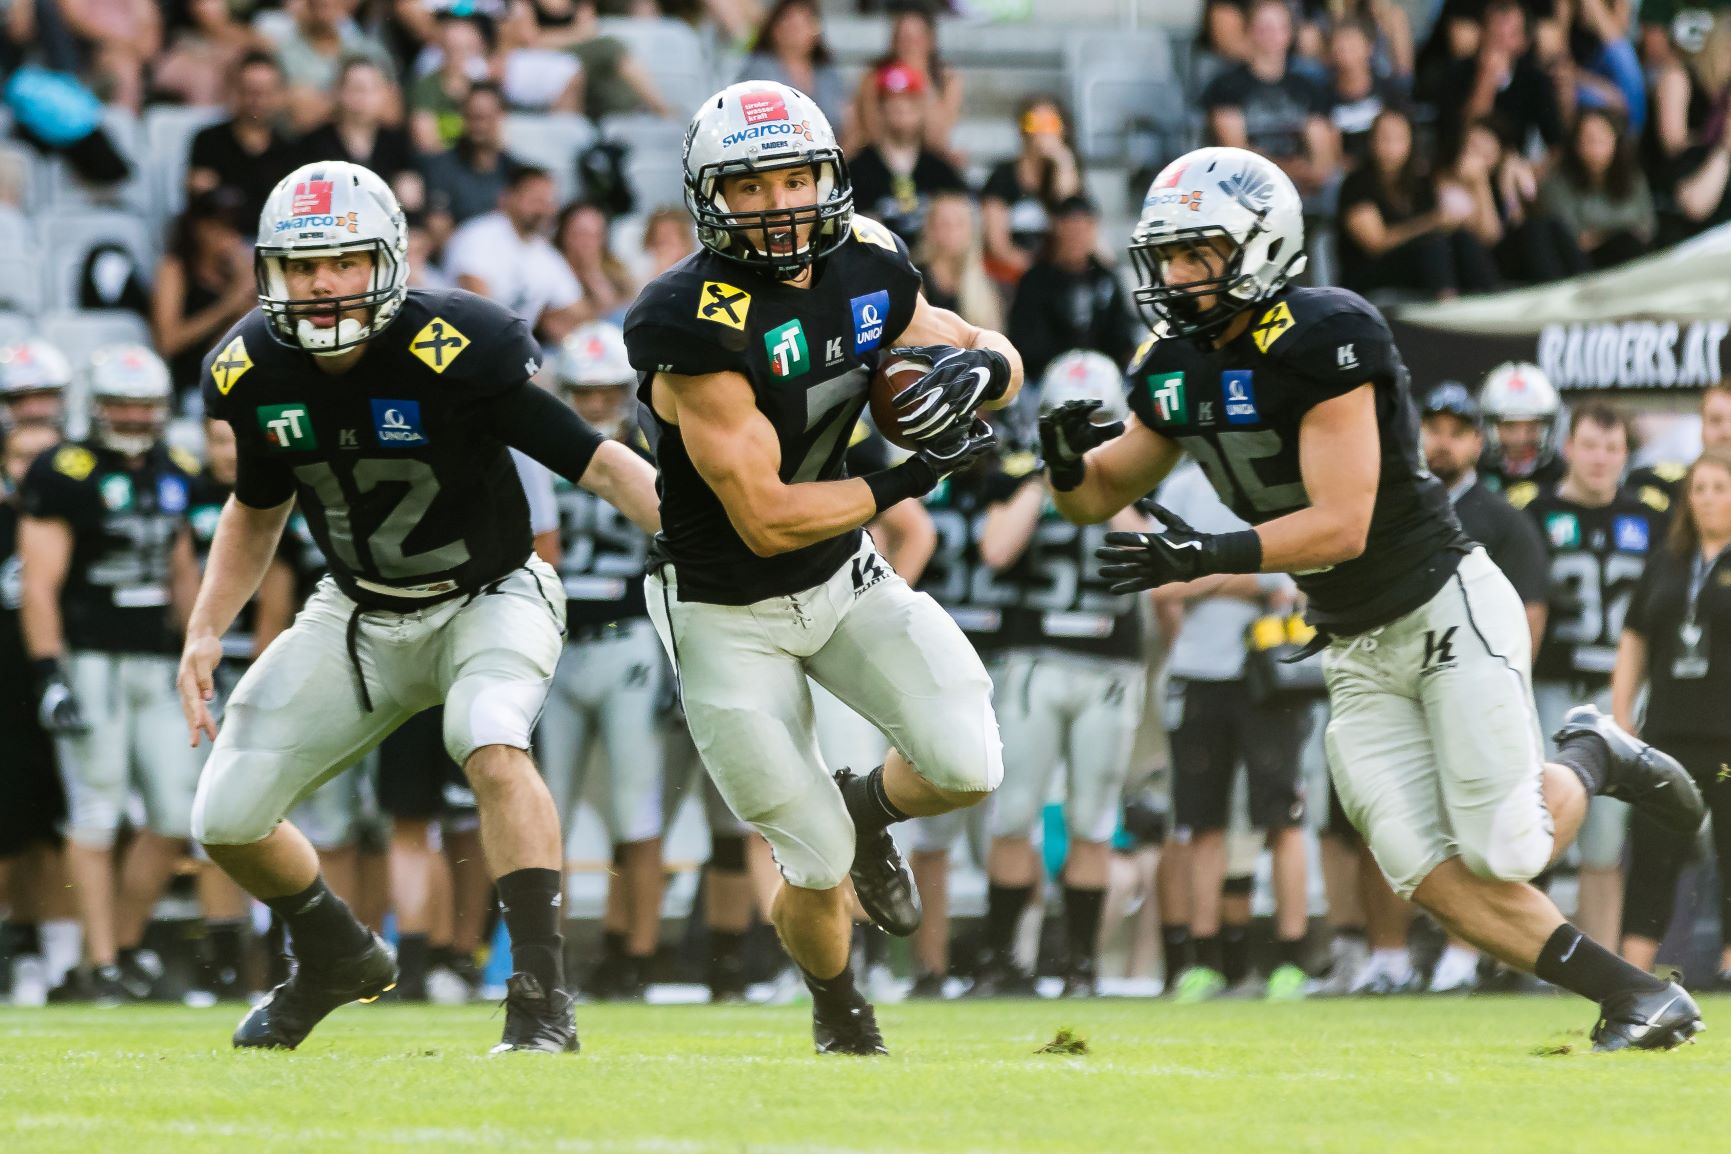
[168, 133]
[1116, 79]
[21, 288]
[15, 327]
[79, 331]
[673, 54]
[68, 239]
[20, 177]
[552, 141]
[654, 162]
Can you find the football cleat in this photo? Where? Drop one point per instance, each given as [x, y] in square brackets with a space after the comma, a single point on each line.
[1288, 983]
[286, 1015]
[140, 970]
[1647, 778]
[535, 1021]
[1647, 1020]
[927, 987]
[29, 980]
[1001, 977]
[726, 981]
[106, 987]
[882, 880]
[1199, 984]
[1080, 983]
[851, 1028]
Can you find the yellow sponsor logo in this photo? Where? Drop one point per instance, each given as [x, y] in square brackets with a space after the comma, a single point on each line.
[74, 461]
[230, 366]
[1272, 326]
[868, 231]
[438, 344]
[724, 304]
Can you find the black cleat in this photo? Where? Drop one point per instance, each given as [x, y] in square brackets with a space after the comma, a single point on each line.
[1647, 778]
[882, 880]
[107, 987]
[848, 1029]
[536, 1022]
[140, 970]
[630, 981]
[1080, 983]
[927, 987]
[1650, 1020]
[1001, 977]
[726, 981]
[288, 1013]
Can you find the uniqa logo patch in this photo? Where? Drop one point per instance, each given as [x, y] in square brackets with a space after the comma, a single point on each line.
[869, 312]
[397, 424]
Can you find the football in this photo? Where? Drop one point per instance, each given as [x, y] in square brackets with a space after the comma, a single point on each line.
[894, 374]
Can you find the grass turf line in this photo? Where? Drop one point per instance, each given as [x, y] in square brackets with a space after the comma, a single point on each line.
[1399, 1076]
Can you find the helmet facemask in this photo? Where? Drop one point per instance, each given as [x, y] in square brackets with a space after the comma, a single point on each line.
[748, 236]
[129, 438]
[291, 318]
[1178, 306]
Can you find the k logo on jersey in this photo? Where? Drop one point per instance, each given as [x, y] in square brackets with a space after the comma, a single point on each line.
[230, 366]
[438, 344]
[724, 304]
[287, 427]
[1170, 403]
[1272, 326]
[785, 347]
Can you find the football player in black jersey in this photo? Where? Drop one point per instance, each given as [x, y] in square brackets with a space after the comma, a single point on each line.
[756, 355]
[108, 577]
[33, 380]
[1599, 534]
[388, 413]
[1296, 404]
[1521, 406]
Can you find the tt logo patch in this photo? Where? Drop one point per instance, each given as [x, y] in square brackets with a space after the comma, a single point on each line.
[287, 427]
[867, 571]
[1439, 650]
[724, 304]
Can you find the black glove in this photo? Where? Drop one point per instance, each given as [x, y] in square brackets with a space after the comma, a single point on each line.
[920, 473]
[959, 448]
[959, 382]
[1067, 432]
[57, 709]
[1138, 561]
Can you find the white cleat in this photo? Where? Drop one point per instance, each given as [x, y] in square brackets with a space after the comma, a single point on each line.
[30, 980]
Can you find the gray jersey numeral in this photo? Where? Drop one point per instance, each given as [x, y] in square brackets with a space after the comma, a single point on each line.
[385, 543]
[1232, 470]
[1601, 592]
[838, 402]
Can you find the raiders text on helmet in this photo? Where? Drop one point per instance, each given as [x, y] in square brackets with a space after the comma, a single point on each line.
[326, 209]
[1205, 196]
[761, 126]
[130, 375]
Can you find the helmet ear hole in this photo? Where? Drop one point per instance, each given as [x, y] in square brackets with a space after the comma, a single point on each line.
[1274, 247]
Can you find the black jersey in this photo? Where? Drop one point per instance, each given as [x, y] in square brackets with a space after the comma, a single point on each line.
[1510, 539]
[14, 661]
[808, 355]
[1062, 602]
[1549, 471]
[602, 555]
[203, 511]
[972, 593]
[1664, 478]
[125, 517]
[1597, 555]
[1238, 409]
[400, 464]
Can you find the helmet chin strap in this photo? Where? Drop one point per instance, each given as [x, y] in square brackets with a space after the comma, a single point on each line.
[323, 342]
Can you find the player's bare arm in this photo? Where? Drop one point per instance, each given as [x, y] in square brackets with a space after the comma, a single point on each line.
[183, 577]
[1340, 460]
[45, 543]
[627, 482]
[241, 552]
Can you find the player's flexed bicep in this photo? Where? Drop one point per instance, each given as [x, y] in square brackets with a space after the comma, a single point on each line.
[1340, 460]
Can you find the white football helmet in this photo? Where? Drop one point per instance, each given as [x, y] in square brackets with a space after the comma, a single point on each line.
[32, 366]
[130, 375]
[1519, 391]
[1082, 375]
[760, 126]
[1204, 195]
[325, 209]
[594, 357]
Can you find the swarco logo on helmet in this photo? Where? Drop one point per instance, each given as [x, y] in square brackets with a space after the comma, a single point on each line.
[773, 129]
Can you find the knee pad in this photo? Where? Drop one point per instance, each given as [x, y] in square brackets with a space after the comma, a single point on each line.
[230, 808]
[727, 853]
[491, 709]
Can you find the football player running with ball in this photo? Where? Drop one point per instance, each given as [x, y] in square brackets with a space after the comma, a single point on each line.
[387, 412]
[1295, 403]
[756, 356]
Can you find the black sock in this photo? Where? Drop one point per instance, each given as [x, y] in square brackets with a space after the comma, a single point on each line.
[838, 990]
[1082, 921]
[26, 939]
[612, 945]
[1289, 953]
[530, 901]
[1004, 908]
[224, 942]
[868, 804]
[1175, 944]
[1576, 962]
[1207, 952]
[1586, 755]
[414, 959]
[440, 956]
[1234, 953]
[726, 946]
[321, 927]
[875, 948]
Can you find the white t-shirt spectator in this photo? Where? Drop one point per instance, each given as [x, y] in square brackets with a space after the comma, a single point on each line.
[527, 276]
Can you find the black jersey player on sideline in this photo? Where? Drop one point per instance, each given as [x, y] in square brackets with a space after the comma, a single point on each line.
[1296, 404]
[756, 355]
[387, 413]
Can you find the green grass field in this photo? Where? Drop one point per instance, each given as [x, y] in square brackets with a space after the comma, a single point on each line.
[1453, 1077]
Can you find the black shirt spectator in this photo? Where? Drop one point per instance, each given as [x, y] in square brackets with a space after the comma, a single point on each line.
[1505, 81]
[1275, 111]
[466, 180]
[246, 153]
[356, 132]
[1018, 195]
[1267, 106]
[1511, 539]
[895, 176]
[1070, 298]
[1358, 94]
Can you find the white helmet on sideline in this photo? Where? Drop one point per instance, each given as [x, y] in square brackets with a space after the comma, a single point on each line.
[591, 359]
[1204, 196]
[129, 375]
[323, 209]
[1519, 391]
[1083, 375]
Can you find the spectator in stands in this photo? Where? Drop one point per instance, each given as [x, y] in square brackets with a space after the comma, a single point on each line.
[248, 151]
[466, 42]
[1502, 80]
[914, 45]
[1016, 202]
[424, 271]
[790, 49]
[118, 40]
[357, 132]
[534, 78]
[1070, 298]
[1586, 44]
[1703, 163]
[1222, 42]
[1599, 194]
[614, 80]
[202, 53]
[1265, 106]
[950, 257]
[896, 173]
[465, 180]
[505, 255]
[1397, 233]
[1358, 93]
[667, 240]
[581, 238]
[1529, 244]
[311, 52]
[204, 283]
[1390, 35]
